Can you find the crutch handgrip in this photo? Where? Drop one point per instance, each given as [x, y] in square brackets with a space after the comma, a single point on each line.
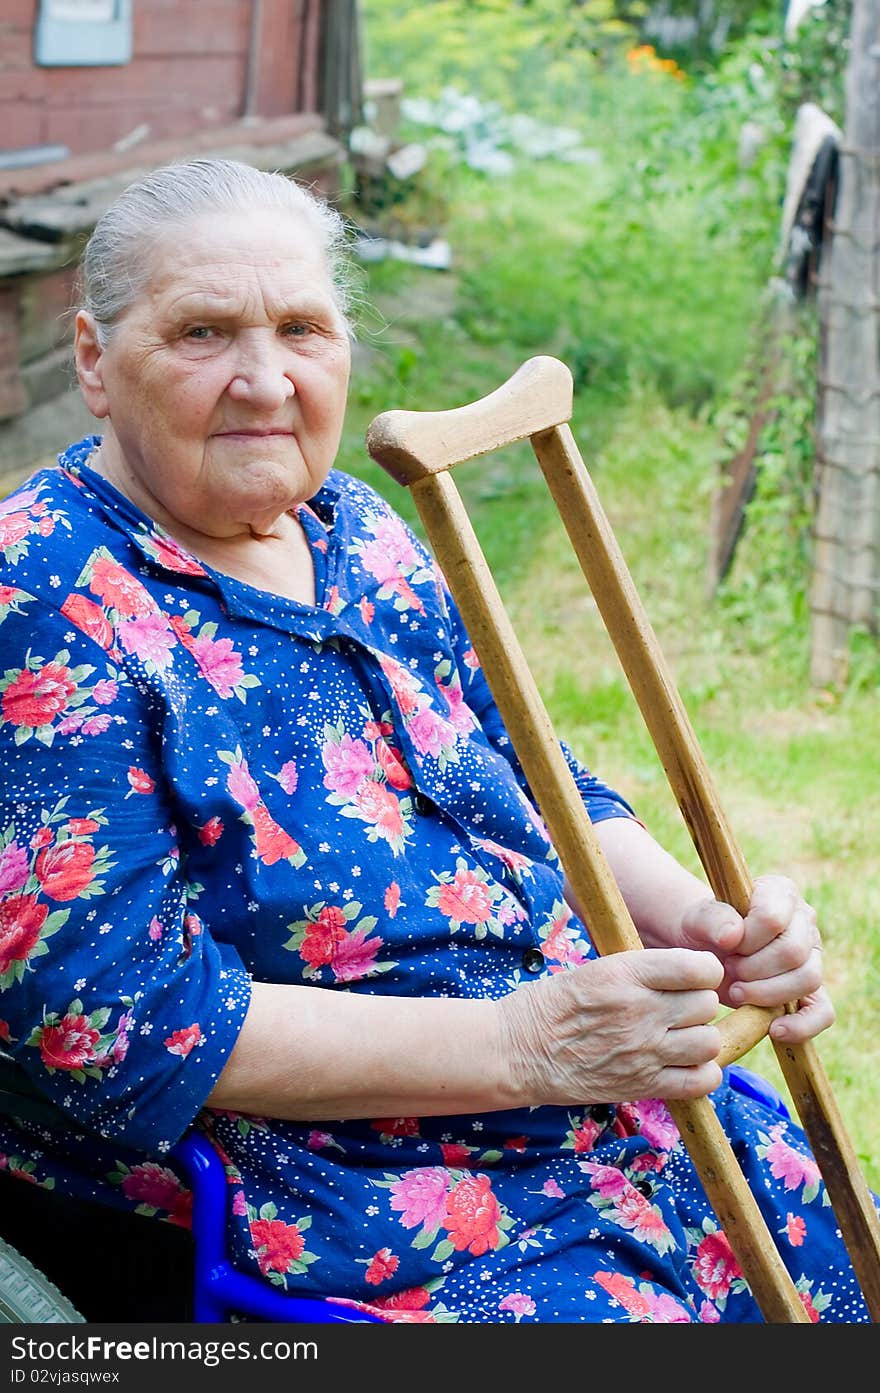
[411, 444]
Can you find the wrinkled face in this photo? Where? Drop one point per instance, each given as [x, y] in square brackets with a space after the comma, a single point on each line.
[224, 384]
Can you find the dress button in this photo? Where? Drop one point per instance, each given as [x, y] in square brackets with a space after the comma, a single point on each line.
[533, 960]
[645, 1188]
[422, 804]
[601, 1113]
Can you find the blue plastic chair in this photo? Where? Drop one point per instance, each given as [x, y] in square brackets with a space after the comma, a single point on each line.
[755, 1086]
[220, 1290]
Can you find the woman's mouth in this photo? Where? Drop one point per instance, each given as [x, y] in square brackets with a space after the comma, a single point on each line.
[254, 434]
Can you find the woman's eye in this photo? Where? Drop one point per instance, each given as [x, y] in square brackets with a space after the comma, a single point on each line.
[200, 332]
[297, 330]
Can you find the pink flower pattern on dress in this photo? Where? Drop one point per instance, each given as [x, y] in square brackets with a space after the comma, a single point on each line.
[287, 776]
[324, 939]
[349, 764]
[366, 780]
[14, 868]
[518, 1303]
[420, 1197]
[150, 638]
[219, 663]
[789, 1165]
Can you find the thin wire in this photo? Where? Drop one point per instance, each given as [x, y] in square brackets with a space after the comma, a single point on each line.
[860, 311]
[860, 398]
[852, 471]
[837, 231]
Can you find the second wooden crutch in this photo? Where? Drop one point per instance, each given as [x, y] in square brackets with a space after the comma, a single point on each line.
[418, 448]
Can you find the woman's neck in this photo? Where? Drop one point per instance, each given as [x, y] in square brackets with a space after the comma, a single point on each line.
[276, 557]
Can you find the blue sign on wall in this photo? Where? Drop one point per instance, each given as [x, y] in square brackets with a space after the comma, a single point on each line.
[83, 33]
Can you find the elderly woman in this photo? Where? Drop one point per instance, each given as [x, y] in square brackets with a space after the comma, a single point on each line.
[269, 867]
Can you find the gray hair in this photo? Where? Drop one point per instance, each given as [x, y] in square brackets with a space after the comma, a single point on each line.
[114, 267]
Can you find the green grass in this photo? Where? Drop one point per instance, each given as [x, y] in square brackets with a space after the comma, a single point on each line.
[635, 272]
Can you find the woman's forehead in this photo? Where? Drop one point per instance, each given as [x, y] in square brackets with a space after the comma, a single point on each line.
[211, 253]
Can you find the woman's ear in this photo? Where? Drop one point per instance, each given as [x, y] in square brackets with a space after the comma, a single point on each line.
[88, 357]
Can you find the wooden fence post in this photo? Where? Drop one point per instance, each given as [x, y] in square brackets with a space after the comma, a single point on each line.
[846, 533]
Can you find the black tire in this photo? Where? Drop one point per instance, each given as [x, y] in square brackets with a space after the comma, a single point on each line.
[29, 1298]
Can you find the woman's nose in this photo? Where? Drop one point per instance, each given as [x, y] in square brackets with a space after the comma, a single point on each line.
[261, 375]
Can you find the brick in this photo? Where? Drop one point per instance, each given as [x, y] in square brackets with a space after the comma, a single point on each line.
[16, 48]
[21, 123]
[25, 84]
[172, 79]
[193, 26]
[189, 72]
[45, 321]
[83, 129]
[184, 121]
[100, 164]
[178, 78]
[20, 14]
[37, 436]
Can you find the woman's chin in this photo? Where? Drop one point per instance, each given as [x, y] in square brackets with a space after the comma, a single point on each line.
[268, 525]
[257, 511]
[237, 519]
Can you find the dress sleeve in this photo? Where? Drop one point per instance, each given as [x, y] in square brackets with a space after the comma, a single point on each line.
[600, 800]
[113, 996]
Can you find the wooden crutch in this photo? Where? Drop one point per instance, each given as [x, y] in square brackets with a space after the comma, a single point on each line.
[418, 448]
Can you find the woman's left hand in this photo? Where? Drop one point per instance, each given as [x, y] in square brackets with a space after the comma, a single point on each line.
[771, 957]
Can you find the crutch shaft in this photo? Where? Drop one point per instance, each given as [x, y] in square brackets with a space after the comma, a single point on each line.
[666, 719]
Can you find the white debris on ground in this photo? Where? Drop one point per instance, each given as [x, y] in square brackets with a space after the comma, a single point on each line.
[436, 256]
[487, 138]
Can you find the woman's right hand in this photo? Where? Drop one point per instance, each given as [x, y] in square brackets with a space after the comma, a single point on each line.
[626, 1026]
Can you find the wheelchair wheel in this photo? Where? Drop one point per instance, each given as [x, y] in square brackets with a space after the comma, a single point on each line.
[29, 1298]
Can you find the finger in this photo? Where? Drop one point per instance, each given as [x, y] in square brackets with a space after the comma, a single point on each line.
[692, 1008]
[689, 1083]
[691, 1046]
[782, 986]
[712, 925]
[775, 907]
[815, 1013]
[787, 953]
[784, 952]
[676, 969]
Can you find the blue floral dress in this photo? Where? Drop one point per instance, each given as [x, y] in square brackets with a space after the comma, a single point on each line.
[204, 785]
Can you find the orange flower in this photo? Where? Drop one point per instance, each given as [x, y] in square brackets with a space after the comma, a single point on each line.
[382, 1265]
[795, 1229]
[277, 1244]
[183, 1042]
[472, 1215]
[623, 1289]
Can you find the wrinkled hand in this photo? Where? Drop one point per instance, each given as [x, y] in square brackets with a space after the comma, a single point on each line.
[771, 957]
[630, 1025]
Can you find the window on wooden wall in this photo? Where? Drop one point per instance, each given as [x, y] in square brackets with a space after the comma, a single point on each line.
[82, 33]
